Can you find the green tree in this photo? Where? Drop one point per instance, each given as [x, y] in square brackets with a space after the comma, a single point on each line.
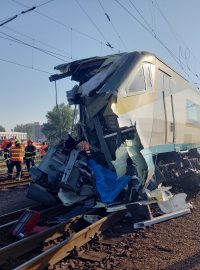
[2, 129]
[59, 122]
[28, 128]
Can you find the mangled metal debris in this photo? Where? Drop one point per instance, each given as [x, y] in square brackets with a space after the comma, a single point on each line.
[136, 132]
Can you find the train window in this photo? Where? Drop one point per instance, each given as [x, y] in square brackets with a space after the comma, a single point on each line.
[138, 83]
[149, 71]
[193, 112]
[143, 79]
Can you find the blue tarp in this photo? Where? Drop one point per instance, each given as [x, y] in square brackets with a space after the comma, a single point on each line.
[107, 183]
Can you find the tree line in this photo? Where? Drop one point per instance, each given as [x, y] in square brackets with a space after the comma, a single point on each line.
[59, 123]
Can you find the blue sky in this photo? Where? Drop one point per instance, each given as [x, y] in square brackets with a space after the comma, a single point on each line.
[27, 94]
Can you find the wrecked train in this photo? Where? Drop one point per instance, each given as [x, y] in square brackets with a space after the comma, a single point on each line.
[141, 119]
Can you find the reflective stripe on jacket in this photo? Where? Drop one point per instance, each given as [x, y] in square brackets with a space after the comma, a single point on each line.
[6, 151]
[30, 151]
[17, 153]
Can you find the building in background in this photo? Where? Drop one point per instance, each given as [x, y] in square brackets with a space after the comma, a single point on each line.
[13, 135]
[38, 136]
[33, 131]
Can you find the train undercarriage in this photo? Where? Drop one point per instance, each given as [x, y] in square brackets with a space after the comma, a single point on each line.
[181, 170]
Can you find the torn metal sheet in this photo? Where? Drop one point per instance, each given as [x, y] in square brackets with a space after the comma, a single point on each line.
[162, 218]
[99, 78]
[70, 197]
[121, 160]
[161, 194]
[175, 203]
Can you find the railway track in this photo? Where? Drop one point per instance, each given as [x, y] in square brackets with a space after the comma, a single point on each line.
[7, 221]
[48, 247]
[13, 183]
[6, 182]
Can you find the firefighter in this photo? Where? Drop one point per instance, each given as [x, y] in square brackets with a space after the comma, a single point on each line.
[30, 154]
[4, 143]
[44, 148]
[16, 159]
[7, 153]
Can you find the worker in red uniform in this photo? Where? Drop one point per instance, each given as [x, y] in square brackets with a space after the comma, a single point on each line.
[16, 159]
[44, 148]
[4, 143]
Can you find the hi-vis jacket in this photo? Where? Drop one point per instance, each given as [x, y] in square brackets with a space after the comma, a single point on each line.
[17, 153]
[43, 150]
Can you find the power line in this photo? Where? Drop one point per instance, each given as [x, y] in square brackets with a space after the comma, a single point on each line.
[176, 34]
[50, 53]
[178, 60]
[145, 21]
[32, 38]
[64, 25]
[23, 12]
[8, 20]
[114, 28]
[95, 25]
[17, 15]
[22, 65]
[151, 31]
[45, 3]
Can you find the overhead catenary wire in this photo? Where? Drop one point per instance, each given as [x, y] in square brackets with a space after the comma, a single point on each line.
[22, 13]
[142, 17]
[95, 25]
[25, 66]
[69, 27]
[50, 53]
[178, 60]
[8, 20]
[44, 3]
[151, 31]
[113, 26]
[176, 34]
[36, 40]
[47, 52]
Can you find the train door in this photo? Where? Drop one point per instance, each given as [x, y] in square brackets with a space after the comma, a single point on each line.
[167, 100]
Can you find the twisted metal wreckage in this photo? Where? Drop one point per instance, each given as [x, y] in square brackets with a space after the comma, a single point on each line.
[134, 112]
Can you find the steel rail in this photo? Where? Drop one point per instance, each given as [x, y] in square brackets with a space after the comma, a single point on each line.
[64, 248]
[8, 184]
[25, 245]
[45, 215]
[30, 243]
[12, 216]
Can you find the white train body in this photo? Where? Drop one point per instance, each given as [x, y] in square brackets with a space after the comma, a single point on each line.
[141, 91]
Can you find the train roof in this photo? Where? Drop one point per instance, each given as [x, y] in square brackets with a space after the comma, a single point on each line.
[82, 70]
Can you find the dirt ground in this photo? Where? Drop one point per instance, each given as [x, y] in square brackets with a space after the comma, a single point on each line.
[14, 199]
[171, 245]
